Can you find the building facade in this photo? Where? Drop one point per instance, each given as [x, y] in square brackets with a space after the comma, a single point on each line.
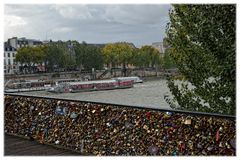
[23, 42]
[10, 65]
[10, 51]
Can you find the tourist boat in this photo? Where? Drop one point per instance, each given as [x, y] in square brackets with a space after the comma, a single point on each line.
[29, 85]
[58, 81]
[91, 86]
[135, 79]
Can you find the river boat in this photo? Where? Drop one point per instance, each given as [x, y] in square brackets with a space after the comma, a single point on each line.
[91, 86]
[134, 78]
[28, 85]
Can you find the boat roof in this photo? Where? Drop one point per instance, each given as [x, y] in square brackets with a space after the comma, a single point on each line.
[68, 79]
[91, 82]
[126, 78]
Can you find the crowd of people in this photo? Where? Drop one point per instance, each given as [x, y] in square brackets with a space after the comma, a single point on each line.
[98, 129]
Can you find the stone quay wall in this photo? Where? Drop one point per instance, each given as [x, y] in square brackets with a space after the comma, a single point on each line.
[106, 129]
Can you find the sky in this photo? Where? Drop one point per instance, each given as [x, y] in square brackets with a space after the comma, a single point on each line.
[141, 24]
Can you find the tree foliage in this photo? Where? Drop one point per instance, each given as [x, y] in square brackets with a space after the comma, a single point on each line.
[54, 57]
[140, 58]
[88, 56]
[93, 58]
[168, 61]
[30, 56]
[147, 56]
[118, 54]
[203, 44]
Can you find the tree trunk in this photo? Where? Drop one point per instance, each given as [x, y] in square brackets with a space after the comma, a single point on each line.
[124, 70]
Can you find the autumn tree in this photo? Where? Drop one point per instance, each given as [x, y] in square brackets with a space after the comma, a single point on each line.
[110, 57]
[118, 54]
[202, 41]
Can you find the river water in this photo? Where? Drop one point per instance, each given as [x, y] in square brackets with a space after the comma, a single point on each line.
[147, 94]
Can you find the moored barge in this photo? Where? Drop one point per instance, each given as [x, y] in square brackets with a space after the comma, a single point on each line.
[91, 86]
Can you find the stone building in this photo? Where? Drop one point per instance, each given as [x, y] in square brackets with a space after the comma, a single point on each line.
[10, 49]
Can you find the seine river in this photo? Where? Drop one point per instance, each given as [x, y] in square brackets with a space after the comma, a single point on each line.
[148, 94]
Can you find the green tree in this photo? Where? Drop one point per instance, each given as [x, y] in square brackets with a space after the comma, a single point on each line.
[69, 58]
[37, 54]
[88, 56]
[93, 58]
[202, 41]
[80, 51]
[120, 53]
[22, 55]
[168, 61]
[138, 59]
[30, 56]
[59, 55]
[151, 56]
[54, 57]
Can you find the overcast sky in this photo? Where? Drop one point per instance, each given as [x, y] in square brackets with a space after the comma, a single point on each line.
[139, 24]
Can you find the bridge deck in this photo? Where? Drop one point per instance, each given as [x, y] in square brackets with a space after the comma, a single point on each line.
[16, 146]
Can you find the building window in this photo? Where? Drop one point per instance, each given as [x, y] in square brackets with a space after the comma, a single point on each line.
[13, 54]
[9, 62]
[8, 54]
[4, 61]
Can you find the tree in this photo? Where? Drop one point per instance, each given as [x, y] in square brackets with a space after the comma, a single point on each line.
[22, 55]
[80, 50]
[148, 56]
[124, 53]
[60, 55]
[30, 56]
[168, 61]
[88, 56]
[203, 44]
[54, 57]
[118, 54]
[139, 58]
[110, 57]
[93, 58]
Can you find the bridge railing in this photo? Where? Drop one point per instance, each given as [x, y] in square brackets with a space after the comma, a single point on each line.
[110, 129]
